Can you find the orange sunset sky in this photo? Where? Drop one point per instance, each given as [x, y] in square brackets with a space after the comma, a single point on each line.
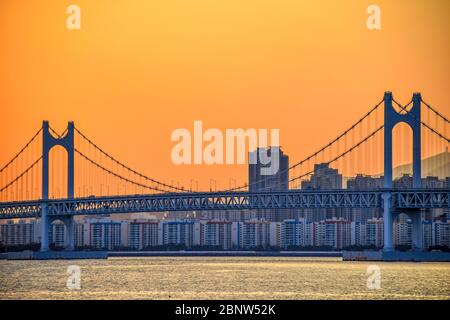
[137, 70]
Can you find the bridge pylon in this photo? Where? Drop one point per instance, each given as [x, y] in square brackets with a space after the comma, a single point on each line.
[391, 119]
[48, 142]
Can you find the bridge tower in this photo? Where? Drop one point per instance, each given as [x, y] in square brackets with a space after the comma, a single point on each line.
[48, 142]
[391, 119]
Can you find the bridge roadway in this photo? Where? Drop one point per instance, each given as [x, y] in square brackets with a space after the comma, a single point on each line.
[198, 201]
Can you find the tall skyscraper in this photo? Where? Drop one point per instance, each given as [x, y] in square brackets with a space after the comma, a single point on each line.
[277, 181]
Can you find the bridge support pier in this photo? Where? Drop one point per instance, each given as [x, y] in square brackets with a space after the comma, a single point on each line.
[391, 119]
[70, 228]
[388, 221]
[48, 142]
[44, 227]
[417, 232]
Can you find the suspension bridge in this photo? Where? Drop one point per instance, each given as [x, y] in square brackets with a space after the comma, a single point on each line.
[83, 179]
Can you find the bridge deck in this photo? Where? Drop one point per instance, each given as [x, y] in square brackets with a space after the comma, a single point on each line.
[400, 199]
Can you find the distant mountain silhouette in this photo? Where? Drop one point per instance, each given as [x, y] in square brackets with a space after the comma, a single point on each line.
[434, 166]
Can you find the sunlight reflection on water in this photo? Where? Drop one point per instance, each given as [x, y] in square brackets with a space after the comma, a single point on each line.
[222, 278]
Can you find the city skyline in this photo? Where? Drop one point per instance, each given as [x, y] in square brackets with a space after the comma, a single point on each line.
[104, 233]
